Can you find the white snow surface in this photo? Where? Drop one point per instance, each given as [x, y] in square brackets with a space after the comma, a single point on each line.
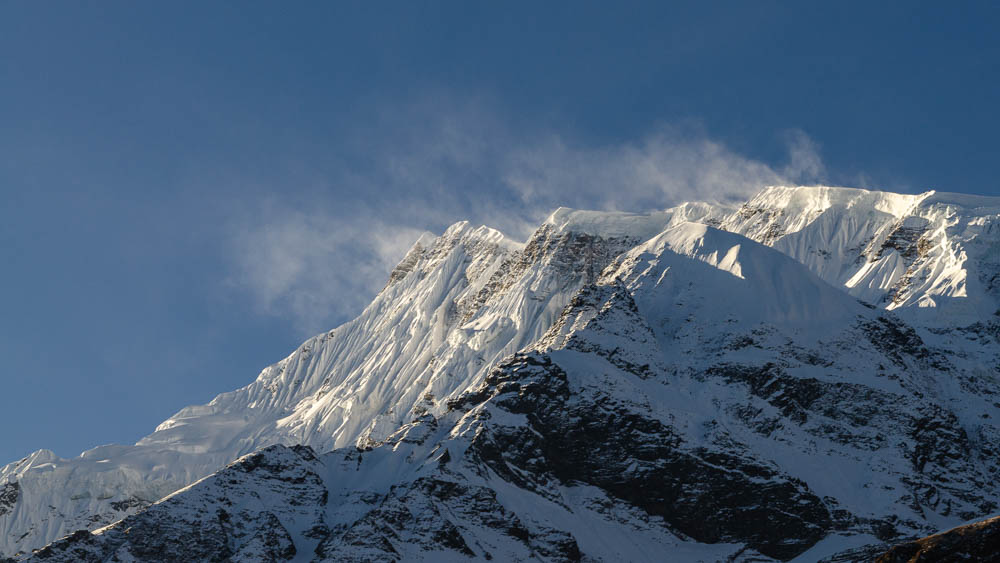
[460, 302]
[757, 284]
[933, 257]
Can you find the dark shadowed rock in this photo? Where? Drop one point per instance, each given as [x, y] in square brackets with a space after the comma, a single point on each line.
[973, 542]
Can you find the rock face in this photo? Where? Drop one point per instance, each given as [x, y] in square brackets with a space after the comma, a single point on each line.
[973, 542]
[620, 387]
[706, 494]
[8, 496]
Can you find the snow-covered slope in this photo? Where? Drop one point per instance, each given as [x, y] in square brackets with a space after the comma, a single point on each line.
[934, 257]
[661, 413]
[762, 361]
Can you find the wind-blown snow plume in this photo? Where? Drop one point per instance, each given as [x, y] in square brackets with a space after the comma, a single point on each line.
[662, 169]
[424, 167]
[804, 163]
[313, 265]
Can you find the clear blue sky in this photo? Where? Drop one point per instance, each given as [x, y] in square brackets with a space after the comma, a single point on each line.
[187, 190]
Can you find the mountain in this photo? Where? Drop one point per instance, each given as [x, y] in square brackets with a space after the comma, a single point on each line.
[933, 257]
[706, 381]
[454, 305]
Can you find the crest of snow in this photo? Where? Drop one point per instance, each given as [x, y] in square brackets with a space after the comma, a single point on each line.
[696, 276]
[901, 252]
[641, 226]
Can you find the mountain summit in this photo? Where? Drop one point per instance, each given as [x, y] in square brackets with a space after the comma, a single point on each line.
[813, 374]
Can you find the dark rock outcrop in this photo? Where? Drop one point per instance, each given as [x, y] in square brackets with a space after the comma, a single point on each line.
[973, 542]
[9, 494]
[709, 495]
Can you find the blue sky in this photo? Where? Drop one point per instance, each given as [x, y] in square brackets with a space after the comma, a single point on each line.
[188, 190]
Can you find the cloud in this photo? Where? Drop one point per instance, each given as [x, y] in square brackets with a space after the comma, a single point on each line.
[804, 163]
[665, 168]
[312, 266]
[317, 251]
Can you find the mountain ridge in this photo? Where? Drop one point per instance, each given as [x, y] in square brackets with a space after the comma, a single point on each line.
[472, 298]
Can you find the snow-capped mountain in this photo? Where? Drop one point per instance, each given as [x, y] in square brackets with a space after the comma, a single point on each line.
[702, 380]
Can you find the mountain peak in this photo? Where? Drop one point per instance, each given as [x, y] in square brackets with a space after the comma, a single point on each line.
[635, 226]
[694, 270]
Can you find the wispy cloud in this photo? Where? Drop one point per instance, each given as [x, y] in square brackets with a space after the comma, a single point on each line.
[312, 266]
[318, 258]
[804, 163]
[665, 168]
